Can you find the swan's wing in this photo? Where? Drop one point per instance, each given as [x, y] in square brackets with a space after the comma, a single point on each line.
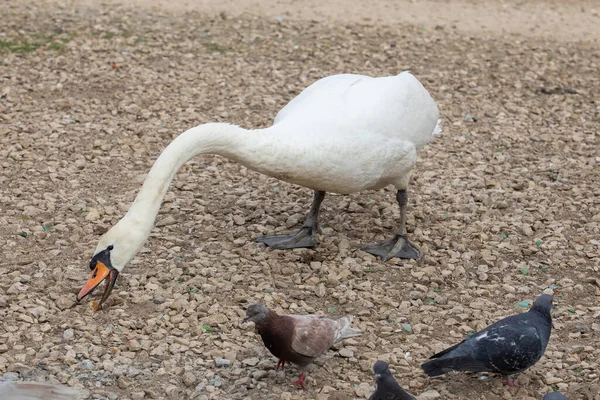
[324, 92]
[397, 107]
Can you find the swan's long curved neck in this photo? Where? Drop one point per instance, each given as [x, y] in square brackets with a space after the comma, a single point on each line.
[224, 139]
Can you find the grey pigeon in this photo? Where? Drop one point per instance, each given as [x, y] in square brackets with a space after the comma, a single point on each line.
[554, 396]
[508, 346]
[298, 339]
[387, 387]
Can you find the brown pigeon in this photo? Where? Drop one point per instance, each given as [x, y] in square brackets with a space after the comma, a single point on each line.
[298, 339]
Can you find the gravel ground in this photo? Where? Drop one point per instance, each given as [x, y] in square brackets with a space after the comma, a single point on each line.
[504, 205]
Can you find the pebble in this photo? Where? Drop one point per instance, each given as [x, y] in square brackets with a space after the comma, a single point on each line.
[222, 362]
[259, 374]
[64, 303]
[87, 364]
[363, 390]
[320, 290]
[123, 382]
[429, 395]
[346, 353]
[215, 319]
[166, 221]
[218, 381]
[92, 215]
[251, 362]
[68, 334]
[189, 379]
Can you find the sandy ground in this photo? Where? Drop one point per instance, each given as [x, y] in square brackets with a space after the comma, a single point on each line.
[577, 20]
[504, 204]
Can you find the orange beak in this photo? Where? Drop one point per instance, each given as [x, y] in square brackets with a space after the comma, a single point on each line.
[100, 273]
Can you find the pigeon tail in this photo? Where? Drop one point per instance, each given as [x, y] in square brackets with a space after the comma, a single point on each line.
[344, 331]
[447, 364]
[434, 368]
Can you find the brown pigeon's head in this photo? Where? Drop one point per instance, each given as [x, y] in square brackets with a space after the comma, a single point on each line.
[256, 313]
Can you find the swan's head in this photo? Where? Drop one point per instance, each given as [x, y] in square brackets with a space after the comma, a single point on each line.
[115, 249]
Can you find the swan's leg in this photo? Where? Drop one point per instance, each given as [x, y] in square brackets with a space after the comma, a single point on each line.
[399, 246]
[305, 237]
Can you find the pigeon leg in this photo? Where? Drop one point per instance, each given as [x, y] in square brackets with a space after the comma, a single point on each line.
[510, 382]
[305, 236]
[280, 364]
[399, 246]
[300, 382]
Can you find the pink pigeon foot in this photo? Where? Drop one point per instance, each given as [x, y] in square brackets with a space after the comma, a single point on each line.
[510, 382]
[300, 381]
[280, 364]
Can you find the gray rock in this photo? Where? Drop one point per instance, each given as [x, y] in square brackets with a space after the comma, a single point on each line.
[251, 362]
[218, 381]
[87, 364]
[68, 334]
[222, 362]
[259, 374]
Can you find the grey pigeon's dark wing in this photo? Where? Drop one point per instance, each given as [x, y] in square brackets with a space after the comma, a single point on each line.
[504, 348]
[493, 328]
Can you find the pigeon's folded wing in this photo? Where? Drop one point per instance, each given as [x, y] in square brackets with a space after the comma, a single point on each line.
[503, 347]
[313, 334]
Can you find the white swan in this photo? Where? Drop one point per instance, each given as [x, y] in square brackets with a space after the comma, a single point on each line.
[343, 134]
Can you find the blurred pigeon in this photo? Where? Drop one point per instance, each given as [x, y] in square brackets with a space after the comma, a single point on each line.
[38, 391]
[554, 396]
[387, 387]
[298, 339]
[508, 346]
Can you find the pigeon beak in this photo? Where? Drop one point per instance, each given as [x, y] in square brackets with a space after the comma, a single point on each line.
[245, 319]
[377, 376]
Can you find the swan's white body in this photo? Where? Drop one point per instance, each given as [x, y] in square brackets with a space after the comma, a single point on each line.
[342, 134]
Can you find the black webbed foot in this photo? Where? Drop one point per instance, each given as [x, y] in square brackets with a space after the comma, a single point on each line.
[399, 247]
[303, 238]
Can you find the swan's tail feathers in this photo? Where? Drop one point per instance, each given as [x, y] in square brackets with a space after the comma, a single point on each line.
[438, 128]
